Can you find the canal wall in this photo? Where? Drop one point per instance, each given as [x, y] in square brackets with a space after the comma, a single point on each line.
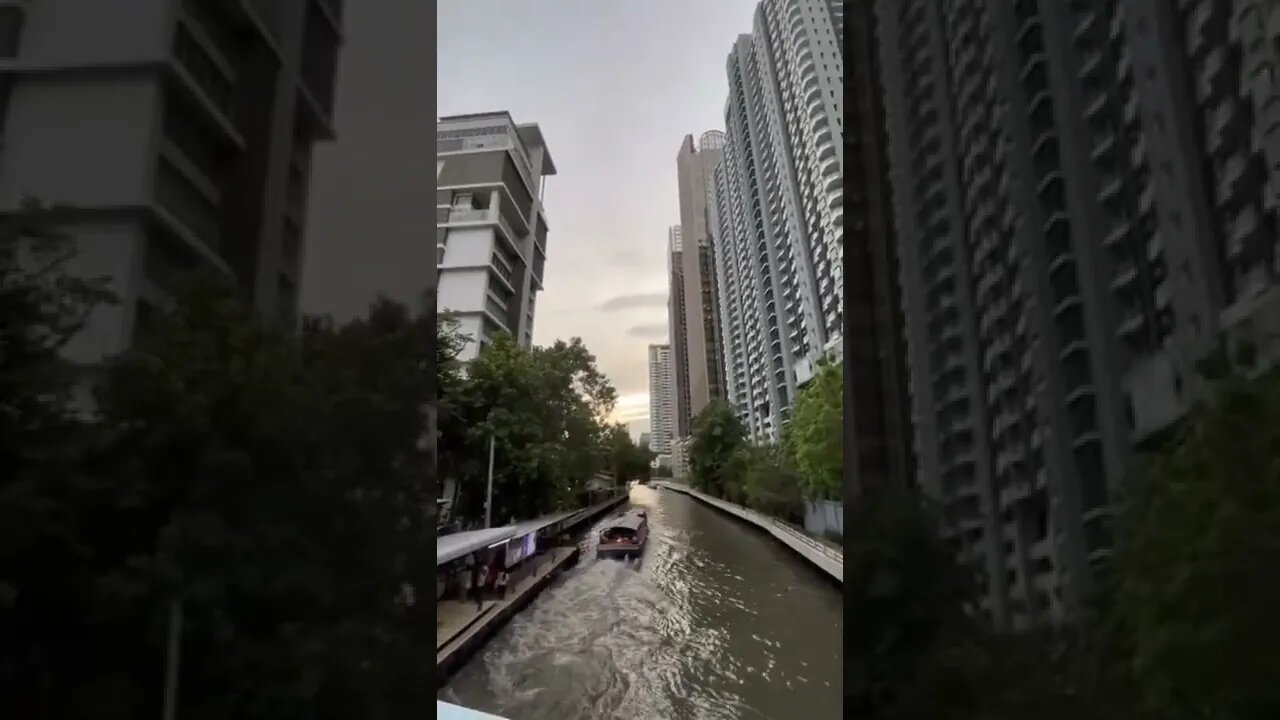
[825, 558]
[471, 638]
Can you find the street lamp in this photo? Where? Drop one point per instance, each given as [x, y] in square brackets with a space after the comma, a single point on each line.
[488, 500]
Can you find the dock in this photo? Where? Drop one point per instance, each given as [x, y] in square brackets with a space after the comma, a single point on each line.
[823, 556]
[463, 627]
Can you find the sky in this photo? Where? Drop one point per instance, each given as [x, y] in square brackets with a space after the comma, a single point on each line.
[614, 86]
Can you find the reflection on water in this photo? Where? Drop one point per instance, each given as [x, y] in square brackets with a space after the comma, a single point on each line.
[715, 621]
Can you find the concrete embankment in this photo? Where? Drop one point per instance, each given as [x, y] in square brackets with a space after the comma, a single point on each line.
[462, 627]
[827, 559]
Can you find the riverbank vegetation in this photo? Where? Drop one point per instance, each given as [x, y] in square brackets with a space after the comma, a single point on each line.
[774, 478]
[1181, 625]
[546, 411]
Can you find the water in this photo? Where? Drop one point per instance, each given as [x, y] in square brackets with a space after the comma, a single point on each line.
[716, 620]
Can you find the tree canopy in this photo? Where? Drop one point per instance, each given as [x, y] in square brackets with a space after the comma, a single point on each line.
[546, 410]
[814, 436]
[717, 437]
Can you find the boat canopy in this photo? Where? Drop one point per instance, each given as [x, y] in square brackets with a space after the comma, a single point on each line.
[631, 521]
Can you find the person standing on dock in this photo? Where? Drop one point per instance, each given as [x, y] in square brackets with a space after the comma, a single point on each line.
[476, 579]
[500, 584]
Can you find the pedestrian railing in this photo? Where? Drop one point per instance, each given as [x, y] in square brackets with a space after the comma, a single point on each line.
[805, 538]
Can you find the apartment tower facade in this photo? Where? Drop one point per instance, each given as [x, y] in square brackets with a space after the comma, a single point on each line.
[777, 207]
[678, 330]
[877, 405]
[1080, 214]
[662, 416]
[181, 139]
[704, 349]
[491, 226]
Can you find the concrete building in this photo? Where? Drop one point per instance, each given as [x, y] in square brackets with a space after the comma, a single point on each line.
[662, 399]
[179, 132]
[678, 331]
[777, 204]
[680, 458]
[1203, 256]
[703, 346]
[1080, 214]
[491, 226]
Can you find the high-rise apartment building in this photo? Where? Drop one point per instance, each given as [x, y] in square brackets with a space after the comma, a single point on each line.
[1080, 213]
[703, 347]
[877, 406]
[491, 226]
[179, 131]
[662, 405]
[777, 207]
[678, 331]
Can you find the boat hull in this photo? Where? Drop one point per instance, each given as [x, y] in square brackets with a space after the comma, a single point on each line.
[619, 551]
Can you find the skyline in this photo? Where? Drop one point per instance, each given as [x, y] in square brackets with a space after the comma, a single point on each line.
[649, 74]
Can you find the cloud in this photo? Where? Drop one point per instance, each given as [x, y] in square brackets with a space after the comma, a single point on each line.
[634, 300]
[631, 408]
[653, 330]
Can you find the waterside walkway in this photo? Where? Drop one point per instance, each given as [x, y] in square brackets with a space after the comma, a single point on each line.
[821, 555]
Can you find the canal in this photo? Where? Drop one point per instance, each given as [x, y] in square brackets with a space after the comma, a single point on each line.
[717, 620]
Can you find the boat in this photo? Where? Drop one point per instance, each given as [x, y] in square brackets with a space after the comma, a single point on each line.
[625, 536]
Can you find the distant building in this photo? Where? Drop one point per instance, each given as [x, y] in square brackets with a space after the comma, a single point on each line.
[644, 441]
[491, 226]
[703, 351]
[678, 333]
[662, 400]
[680, 458]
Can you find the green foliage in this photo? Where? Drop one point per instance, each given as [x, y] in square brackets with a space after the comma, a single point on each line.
[921, 648]
[272, 486]
[628, 461]
[546, 410]
[765, 480]
[1195, 591]
[48, 503]
[717, 436]
[814, 436]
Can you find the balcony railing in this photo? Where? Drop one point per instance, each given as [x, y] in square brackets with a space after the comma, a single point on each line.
[486, 215]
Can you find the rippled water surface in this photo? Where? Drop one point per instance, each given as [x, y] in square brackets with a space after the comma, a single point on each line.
[715, 621]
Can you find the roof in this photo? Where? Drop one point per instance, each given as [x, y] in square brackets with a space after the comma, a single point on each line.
[531, 134]
[452, 547]
[536, 524]
[631, 521]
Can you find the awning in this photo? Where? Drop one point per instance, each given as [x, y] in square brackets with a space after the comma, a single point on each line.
[452, 547]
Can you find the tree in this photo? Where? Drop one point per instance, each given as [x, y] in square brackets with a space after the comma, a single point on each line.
[628, 460]
[765, 480]
[1194, 588]
[47, 587]
[273, 488]
[814, 437]
[717, 436]
[546, 411]
[912, 600]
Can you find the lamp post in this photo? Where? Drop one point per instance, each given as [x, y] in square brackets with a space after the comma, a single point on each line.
[488, 500]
